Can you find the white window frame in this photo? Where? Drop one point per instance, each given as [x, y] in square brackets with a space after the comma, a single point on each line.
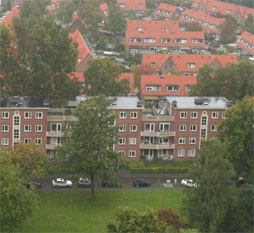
[215, 115]
[27, 140]
[173, 88]
[58, 127]
[202, 135]
[162, 127]
[182, 128]
[163, 140]
[213, 128]
[152, 126]
[38, 141]
[38, 115]
[183, 115]
[36, 128]
[191, 153]
[223, 115]
[29, 128]
[122, 128]
[132, 141]
[193, 128]
[181, 153]
[181, 141]
[5, 128]
[133, 126]
[194, 115]
[16, 134]
[28, 115]
[5, 141]
[204, 120]
[121, 141]
[122, 115]
[5, 115]
[134, 115]
[16, 120]
[132, 153]
[122, 153]
[192, 141]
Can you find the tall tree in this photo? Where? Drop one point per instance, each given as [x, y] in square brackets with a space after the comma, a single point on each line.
[90, 141]
[90, 12]
[31, 160]
[249, 24]
[65, 11]
[129, 220]
[115, 22]
[228, 30]
[207, 205]
[236, 132]
[43, 58]
[102, 75]
[16, 201]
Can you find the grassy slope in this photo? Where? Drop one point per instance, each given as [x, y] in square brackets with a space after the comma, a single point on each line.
[74, 211]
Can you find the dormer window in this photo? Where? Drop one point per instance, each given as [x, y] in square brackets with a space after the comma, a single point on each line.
[197, 41]
[153, 64]
[79, 59]
[214, 7]
[173, 88]
[165, 40]
[140, 29]
[153, 87]
[228, 11]
[122, 5]
[180, 41]
[166, 29]
[191, 65]
[140, 6]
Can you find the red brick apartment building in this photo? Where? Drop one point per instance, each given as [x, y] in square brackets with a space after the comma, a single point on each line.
[169, 127]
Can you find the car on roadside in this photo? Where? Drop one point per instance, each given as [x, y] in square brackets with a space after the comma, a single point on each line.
[188, 183]
[35, 184]
[140, 182]
[61, 183]
[84, 182]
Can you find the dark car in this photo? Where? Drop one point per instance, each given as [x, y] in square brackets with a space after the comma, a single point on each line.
[139, 182]
[35, 184]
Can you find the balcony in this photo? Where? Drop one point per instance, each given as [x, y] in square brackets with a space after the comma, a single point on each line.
[157, 118]
[52, 146]
[157, 134]
[157, 146]
[54, 134]
[61, 118]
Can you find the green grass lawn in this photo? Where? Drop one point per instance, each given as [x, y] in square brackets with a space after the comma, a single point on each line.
[74, 211]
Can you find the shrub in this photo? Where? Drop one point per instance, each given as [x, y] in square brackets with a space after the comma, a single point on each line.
[170, 218]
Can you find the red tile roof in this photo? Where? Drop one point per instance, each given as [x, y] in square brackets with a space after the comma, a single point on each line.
[130, 77]
[54, 4]
[162, 10]
[157, 30]
[131, 5]
[83, 50]
[246, 42]
[181, 61]
[104, 8]
[7, 21]
[163, 81]
[79, 75]
[189, 16]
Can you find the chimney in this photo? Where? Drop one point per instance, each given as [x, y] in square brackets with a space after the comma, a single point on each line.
[174, 103]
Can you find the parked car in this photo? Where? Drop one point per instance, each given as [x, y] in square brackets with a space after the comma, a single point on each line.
[139, 182]
[168, 184]
[188, 183]
[84, 182]
[34, 183]
[61, 183]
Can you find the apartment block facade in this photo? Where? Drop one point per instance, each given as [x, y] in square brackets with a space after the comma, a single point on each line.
[170, 127]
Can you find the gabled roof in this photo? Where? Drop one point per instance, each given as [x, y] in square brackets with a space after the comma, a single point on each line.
[163, 81]
[202, 16]
[9, 16]
[83, 50]
[130, 77]
[127, 5]
[79, 75]
[54, 4]
[165, 8]
[104, 8]
[181, 61]
[246, 42]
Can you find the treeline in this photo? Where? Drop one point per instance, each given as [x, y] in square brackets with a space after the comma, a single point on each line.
[247, 3]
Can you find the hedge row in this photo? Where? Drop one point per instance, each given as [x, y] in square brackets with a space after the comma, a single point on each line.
[159, 170]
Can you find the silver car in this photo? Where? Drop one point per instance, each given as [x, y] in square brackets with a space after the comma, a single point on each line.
[61, 183]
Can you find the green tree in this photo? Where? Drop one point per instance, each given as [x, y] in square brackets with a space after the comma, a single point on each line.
[132, 15]
[207, 205]
[31, 160]
[228, 31]
[236, 132]
[115, 22]
[193, 27]
[90, 12]
[129, 220]
[102, 75]
[249, 24]
[16, 201]
[234, 81]
[90, 141]
[65, 11]
[43, 58]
